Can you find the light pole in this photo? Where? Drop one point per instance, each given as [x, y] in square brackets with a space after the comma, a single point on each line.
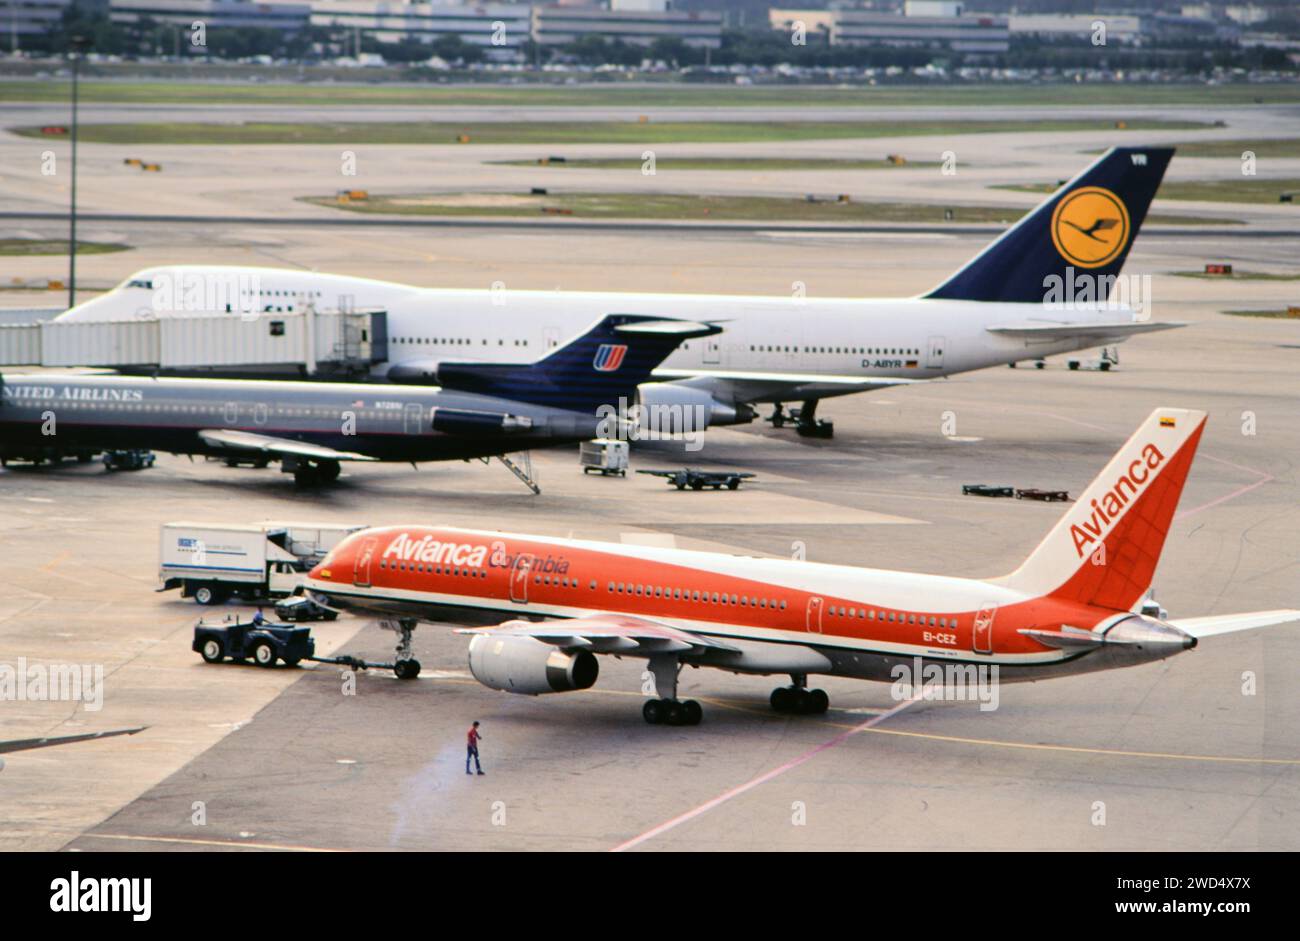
[76, 47]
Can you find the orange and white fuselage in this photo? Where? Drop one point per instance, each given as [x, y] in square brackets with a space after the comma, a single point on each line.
[1068, 609]
[859, 620]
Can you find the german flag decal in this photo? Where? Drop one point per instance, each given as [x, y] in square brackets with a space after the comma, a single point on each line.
[1167, 422]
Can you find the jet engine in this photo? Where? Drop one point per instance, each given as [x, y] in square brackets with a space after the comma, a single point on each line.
[675, 408]
[528, 666]
[463, 421]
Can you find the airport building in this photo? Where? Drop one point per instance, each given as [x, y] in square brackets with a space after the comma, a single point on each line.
[627, 21]
[924, 23]
[1076, 25]
[503, 26]
[214, 14]
[501, 29]
[30, 18]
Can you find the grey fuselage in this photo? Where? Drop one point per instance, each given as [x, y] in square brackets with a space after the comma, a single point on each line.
[44, 413]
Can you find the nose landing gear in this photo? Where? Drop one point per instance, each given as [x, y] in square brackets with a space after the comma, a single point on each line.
[406, 667]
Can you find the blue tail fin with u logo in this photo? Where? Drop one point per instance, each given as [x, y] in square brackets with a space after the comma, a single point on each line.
[1087, 225]
[609, 361]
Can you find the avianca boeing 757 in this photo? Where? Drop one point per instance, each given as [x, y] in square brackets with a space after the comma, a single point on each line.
[1048, 285]
[1068, 609]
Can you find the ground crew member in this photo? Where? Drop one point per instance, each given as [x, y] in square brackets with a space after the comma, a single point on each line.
[471, 747]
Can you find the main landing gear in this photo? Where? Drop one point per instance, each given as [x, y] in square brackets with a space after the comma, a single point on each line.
[797, 699]
[669, 710]
[806, 422]
[308, 473]
[406, 667]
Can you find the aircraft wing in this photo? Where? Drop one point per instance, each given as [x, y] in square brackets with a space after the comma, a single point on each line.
[607, 633]
[266, 444]
[1049, 330]
[1228, 623]
[760, 386]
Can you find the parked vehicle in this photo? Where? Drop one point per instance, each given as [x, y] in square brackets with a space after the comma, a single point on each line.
[606, 456]
[1047, 496]
[211, 562]
[128, 460]
[302, 608]
[698, 479]
[264, 644]
[987, 490]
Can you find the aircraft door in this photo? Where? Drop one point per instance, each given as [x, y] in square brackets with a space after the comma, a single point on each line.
[712, 351]
[519, 579]
[813, 618]
[231, 413]
[934, 353]
[413, 418]
[983, 629]
[550, 338]
[361, 568]
[261, 413]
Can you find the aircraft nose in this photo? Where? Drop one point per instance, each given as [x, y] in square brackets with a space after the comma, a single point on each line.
[321, 570]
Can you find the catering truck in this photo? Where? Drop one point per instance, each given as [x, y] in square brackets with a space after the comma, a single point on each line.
[211, 562]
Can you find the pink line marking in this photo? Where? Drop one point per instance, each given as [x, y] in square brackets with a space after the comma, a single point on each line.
[1224, 499]
[761, 779]
[1264, 477]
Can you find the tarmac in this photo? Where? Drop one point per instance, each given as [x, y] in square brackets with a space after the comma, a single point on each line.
[1201, 751]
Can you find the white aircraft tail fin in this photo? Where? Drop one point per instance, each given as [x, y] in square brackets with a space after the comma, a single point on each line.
[1105, 548]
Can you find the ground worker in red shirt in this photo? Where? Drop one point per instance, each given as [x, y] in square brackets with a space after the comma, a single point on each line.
[471, 747]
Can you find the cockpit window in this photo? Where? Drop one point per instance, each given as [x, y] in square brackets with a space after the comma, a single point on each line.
[140, 283]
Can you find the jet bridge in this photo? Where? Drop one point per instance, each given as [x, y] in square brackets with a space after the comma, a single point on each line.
[307, 342]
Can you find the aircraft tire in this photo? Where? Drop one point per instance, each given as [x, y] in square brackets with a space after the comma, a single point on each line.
[694, 712]
[653, 711]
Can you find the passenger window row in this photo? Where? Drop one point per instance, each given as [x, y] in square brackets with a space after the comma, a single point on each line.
[428, 569]
[688, 594]
[869, 351]
[450, 341]
[896, 617]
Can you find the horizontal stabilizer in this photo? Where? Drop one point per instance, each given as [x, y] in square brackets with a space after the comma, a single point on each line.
[1069, 638]
[731, 385]
[680, 329]
[1048, 330]
[1228, 623]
